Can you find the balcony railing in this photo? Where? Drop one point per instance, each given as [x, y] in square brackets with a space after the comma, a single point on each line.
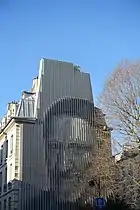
[9, 185]
[4, 187]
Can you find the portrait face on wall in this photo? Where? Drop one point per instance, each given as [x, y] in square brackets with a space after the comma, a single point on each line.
[69, 148]
[69, 143]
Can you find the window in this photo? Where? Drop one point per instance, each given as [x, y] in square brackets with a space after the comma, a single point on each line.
[16, 168]
[11, 145]
[16, 175]
[4, 205]
[0, 182]
[10, 172]
[9, 203]
[5, 176]
[6, 148]
[1, 158]
[0, 178]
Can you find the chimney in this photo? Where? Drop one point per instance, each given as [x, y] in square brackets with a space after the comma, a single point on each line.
[34, 84]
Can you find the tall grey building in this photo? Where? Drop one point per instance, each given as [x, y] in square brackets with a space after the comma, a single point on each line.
[56, 82]
[53, 135]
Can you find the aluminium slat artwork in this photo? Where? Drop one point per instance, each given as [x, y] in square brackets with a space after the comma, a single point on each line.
[69, 145]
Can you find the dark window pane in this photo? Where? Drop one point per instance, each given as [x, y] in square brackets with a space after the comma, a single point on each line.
[6, 149]
[9, 203]
[4, 204]
[5, 180]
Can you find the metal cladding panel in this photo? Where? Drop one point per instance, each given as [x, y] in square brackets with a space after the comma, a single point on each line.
[69, 146]
[32, 155]
[58, 148]
[65, 95]
[59, 80]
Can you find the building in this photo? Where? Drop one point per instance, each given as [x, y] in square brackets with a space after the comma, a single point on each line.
[61, 102]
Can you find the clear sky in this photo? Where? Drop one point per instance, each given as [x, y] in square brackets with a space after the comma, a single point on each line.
[95, 34]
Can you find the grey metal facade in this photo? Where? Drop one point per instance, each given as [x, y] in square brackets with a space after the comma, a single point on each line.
[57, 136]
[57, 80]
[59, 145]
[69, 145]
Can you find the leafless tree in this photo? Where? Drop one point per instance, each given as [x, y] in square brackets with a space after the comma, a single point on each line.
[103, 177]
[120, 101]
[104, 168]
[128, 179]
[99, 176]
[108, 178]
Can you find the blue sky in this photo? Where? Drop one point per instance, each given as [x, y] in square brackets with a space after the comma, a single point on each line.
[95, 34]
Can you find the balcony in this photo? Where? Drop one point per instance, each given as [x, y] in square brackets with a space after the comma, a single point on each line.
[9, 185]
[4, 188]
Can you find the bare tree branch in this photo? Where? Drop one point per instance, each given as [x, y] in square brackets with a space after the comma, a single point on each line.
[120, 100]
